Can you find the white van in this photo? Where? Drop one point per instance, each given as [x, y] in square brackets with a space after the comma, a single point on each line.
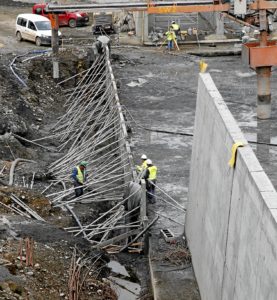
[34, 28]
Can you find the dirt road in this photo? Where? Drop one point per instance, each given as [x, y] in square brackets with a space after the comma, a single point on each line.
[8, 15]
[8, 43]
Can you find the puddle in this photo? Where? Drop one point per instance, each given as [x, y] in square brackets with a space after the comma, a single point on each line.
[273, 139]
[245, 74]
[138, 83]
[117, 268]
[149, 75]
[124, 288]
[215, 71]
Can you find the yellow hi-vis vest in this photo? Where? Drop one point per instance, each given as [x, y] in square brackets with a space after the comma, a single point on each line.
[170, 35]
[80, 175]
[175, 27]
[152, 172]
[143, 166]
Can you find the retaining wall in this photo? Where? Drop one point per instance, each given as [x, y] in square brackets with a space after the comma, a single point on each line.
[231, 218]
[123, 142]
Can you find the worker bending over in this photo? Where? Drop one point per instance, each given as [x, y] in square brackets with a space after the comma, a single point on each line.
[143, 165]
[79, 177]
[151, 178]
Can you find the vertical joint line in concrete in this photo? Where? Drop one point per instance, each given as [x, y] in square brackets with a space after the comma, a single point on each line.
[227, 234]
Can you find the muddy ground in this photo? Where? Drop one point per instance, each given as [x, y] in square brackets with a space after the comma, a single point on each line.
[29, 113]
[159, 91]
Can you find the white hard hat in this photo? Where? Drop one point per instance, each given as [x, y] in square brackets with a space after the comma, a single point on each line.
[173, 22]
[149, 161]
[143, 156]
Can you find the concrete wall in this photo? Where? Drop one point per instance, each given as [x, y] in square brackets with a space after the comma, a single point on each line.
[231, 219]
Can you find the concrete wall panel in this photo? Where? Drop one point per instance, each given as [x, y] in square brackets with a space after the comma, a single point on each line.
[231, 218]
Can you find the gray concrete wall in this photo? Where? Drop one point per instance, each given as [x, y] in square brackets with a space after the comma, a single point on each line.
[231, 219]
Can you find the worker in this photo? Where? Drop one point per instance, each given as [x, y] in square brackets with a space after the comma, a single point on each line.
[99, 46]
[79, 176]
[171, 38]
[151, 178]
[143, 165]
[245, 33]
[176, 28]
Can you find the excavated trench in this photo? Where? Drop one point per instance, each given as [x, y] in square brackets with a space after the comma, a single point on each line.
[33, 120]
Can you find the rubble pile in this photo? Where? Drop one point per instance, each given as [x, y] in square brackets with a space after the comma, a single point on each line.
[47, 277]
[26, 213]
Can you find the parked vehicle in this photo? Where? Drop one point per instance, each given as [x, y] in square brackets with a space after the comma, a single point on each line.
[103, 23]
[34, 28]
[71, 19]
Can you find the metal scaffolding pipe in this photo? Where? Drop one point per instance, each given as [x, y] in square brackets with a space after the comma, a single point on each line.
[122, 5]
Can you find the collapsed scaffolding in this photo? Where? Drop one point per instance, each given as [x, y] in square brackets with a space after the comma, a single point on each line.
[93, 129]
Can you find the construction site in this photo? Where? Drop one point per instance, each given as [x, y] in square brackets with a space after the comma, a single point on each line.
[137, 160]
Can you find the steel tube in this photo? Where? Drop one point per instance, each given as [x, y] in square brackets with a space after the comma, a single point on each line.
[264, 94]
[121, 5]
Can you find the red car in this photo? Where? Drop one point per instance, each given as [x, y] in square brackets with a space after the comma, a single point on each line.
[71, 19]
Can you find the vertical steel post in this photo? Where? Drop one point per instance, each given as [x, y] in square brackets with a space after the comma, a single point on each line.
[264, 95]
[143, 215]
[55, 44]
[263, 75]
[143, 204]
[263, 140]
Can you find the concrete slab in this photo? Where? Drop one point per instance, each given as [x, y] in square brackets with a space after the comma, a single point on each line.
[167, 101]
[231, 251]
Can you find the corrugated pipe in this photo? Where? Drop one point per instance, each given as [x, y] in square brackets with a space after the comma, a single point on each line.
[30, 52]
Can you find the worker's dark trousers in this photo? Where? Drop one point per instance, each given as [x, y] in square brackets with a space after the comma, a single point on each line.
[79, 190]
[177, 33]
[150, 191]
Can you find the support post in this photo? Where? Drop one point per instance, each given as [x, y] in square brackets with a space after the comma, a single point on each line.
[219, 19]
[55, 44]
[143, 204]
[143, 216]
[263, 140]
[141, 23]
[263, 75]
[264, 95]
[219, 27]
[145, 27]
[138, 23]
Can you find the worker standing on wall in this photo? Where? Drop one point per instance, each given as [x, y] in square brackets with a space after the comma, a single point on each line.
[151, 178]
[79, 177]
[171, 38]
[143, 165]
[176, 28]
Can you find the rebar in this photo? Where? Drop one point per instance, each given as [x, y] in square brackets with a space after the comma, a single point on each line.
[93, 129]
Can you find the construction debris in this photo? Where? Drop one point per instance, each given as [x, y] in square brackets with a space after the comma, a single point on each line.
[26, 208]
[168, 235]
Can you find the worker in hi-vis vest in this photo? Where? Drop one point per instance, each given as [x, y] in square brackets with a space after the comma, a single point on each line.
[79, 177]
[143, 165]
[175, 27]
[151, 178]
[171, 38]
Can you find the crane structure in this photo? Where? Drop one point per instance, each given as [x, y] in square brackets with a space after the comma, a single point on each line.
[260, 56]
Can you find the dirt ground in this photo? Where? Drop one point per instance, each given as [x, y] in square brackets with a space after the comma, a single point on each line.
[163, 101]
[158, 91]
[44, 272]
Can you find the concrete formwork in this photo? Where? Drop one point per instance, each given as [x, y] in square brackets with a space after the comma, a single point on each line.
[231, 219]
